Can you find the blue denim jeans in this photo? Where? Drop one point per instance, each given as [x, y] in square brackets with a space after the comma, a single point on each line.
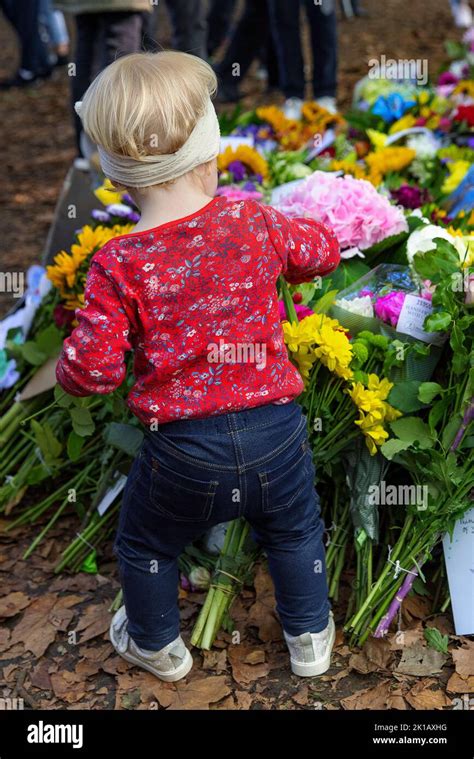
[193, 474]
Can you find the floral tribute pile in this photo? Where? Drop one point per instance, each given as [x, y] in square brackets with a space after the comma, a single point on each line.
[384, 344]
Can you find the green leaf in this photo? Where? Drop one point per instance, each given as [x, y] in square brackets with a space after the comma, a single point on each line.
[436, 640]
[394, 446]
[63, 399]
[433, 264]
[324, 303]
[438, 321]
[428, 390]
[82, 422]
[449, 432]
[48, 443]
[413, 430]
[404, 396]
[125, 437]
[32, 354]
[50, 340]
[74, 445]
[90, 563]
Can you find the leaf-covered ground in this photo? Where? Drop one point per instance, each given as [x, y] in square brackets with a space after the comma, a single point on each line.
[55, 651]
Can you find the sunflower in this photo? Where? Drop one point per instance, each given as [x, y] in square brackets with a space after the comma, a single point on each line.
[246, 155]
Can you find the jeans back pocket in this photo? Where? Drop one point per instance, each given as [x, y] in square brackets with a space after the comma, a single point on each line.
[179, 497]
[282, 485]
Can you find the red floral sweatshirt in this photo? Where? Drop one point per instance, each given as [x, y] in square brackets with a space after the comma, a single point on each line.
[195, 299]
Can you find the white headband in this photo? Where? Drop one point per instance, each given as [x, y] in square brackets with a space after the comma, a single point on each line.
[201, 146]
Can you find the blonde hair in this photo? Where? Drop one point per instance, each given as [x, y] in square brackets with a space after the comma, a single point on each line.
[147, 103]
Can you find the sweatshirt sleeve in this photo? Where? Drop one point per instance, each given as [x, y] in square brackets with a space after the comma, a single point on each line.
[307, 248]
[92, 359]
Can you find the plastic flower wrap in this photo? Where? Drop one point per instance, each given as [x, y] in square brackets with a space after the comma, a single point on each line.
[358, 214]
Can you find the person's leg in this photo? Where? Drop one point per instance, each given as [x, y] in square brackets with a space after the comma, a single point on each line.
[121, 34]
[188, 18]
[24, 16]
[285, 26]
[219, 20]
[244, 45]
[149, 41]
[290, 530]
[323, 28]
[87, 28]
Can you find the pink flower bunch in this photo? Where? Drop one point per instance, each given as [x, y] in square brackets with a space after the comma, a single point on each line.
[357, 213]
[301, 311]
[388, 307]
[233, 192]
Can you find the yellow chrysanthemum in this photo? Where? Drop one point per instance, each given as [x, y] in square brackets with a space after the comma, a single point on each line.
[334, 351]
[375, 434]
[107, 194]
[378, 139]
[457, 172]
[391, 413]
[380, 386]
[246, 155]
[390, 159]
[406, 122]
[367, 401]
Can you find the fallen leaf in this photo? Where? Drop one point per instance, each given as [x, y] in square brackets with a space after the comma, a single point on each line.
[13, 603]
[422, 696]
[262, 613]
[41, 621]
[95, 621]
[464, 659]
[244, 699]
[301, 696]
[224, 705]
[245, 673]
[255, 657]
[199, 694]
[416, 606]
[369, 698]
[458, 684]
[66, 686]
[40, 677]
[396, 700]
[215, 660]
[420, 660]
[4, 638]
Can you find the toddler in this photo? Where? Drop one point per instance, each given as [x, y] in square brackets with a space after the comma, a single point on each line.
[192, 291]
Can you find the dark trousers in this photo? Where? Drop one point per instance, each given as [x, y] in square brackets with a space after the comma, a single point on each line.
[100, 39]
[285, 20]
[23, 16]
[219, 22]
[188, 19]
[196, 473]
[252, 37]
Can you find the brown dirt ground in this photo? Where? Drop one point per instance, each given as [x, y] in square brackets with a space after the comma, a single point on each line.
[39, 659]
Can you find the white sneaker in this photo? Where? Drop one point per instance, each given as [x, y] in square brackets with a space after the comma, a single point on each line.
[310, 653]
[292, 108]
[328, 103]
[170, 663]
[463, 16]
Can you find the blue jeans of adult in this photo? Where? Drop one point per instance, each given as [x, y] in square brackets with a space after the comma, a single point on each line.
[285, 22]
[193, 474]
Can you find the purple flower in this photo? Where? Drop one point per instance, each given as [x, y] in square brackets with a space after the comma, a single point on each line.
[410, 197]
[388, 307]
[447, 77]
[238, 170]
[100, 215]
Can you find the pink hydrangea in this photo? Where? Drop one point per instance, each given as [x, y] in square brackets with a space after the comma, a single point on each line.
[237, 193]
[388, 307]
[357, 213]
